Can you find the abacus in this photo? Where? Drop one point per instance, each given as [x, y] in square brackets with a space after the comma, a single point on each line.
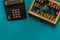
[15, 9]
[48, 10]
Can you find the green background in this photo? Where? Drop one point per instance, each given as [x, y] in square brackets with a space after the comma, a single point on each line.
[31, 28]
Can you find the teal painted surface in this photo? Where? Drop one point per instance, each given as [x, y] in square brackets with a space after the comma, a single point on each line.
[31, 28]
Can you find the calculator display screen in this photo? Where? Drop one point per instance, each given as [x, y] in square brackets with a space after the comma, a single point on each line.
[9, 2]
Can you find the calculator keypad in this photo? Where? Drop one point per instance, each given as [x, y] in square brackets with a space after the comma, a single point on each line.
[16, 13]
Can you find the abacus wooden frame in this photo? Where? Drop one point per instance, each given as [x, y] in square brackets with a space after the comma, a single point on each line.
[37, 15]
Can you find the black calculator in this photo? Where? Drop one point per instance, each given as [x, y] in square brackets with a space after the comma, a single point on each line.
[15, 9]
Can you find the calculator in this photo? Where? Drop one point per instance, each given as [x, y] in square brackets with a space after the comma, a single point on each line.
[48, 10]
[15, 9]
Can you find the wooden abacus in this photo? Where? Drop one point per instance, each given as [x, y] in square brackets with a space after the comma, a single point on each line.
[51, 4]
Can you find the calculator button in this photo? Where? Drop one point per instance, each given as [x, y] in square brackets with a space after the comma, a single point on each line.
[9, 17]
